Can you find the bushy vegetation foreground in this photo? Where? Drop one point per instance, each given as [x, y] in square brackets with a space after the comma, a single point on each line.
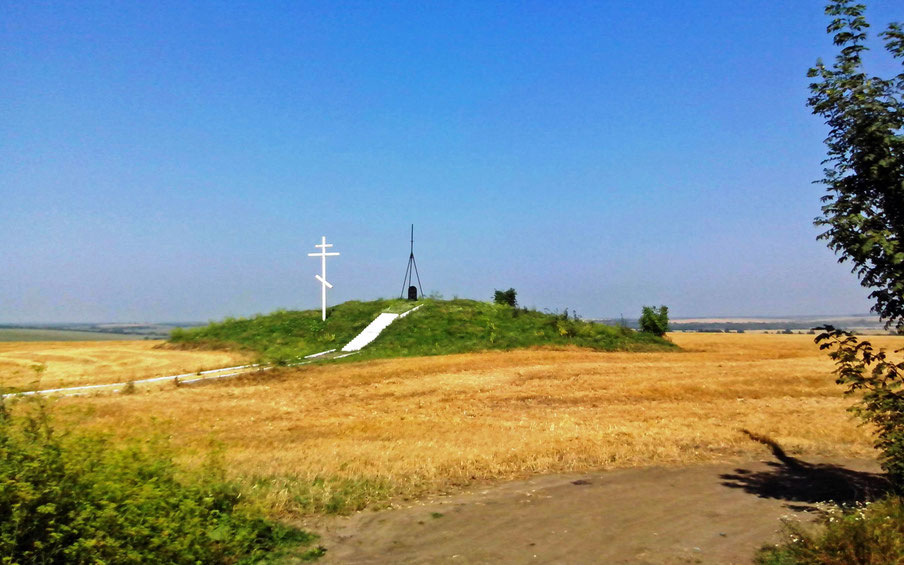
[864, 534]
[75, 498]
[439, 327]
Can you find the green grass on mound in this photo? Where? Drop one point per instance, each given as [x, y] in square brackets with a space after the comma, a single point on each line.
[285, 336]
[439, 327]
[459, 326]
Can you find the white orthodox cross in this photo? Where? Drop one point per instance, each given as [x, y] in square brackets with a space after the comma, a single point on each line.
[322, 277]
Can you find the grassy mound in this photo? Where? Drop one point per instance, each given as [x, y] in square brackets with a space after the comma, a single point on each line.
[459, 326]
[439, 327]
[286, 336]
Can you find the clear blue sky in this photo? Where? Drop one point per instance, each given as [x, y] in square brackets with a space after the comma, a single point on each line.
[178, 160]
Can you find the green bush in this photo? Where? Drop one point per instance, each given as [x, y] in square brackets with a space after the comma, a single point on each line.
[506, 297]
[77, 498]
[865, 534]
[654, 321]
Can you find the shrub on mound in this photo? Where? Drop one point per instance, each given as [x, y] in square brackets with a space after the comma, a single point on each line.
[75, 498]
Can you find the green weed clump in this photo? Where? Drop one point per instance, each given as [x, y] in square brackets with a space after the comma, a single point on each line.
[77, 498]
[867, 534]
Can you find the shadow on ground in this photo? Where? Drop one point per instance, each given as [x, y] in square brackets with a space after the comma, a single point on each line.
[794, 480]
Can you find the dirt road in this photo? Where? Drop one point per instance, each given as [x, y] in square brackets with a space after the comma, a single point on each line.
[709, 514]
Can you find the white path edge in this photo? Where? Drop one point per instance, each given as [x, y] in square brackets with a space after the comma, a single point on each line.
[368, 334]
[75, 390]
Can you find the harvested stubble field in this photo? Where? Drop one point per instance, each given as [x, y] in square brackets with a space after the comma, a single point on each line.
[337, 437]
[77, 363]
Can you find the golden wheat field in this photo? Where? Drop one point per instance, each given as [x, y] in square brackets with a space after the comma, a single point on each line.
[420, 425]
[27, 365]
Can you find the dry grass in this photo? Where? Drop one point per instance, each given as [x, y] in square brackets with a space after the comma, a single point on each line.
[416, 425]
[95, 362]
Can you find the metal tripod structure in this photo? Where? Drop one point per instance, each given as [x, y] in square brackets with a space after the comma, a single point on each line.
[412, 269]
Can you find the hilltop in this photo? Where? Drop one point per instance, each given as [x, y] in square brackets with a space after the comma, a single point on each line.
[439, 327]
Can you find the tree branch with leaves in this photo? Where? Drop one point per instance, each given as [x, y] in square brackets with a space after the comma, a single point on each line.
[863, 209]
[863, 213]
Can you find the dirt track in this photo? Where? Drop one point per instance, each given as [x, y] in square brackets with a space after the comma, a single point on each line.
[710, 514]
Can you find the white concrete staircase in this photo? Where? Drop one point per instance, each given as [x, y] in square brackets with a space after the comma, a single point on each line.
[373, 329]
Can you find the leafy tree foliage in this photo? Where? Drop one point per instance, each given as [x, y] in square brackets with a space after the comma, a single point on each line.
[864, 214]
[863, 209]
[878, 380]
[654, 321]
[507, 297]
